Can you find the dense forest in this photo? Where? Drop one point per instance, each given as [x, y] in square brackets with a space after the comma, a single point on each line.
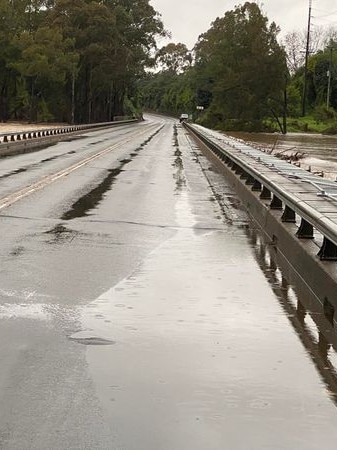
[82, 61]
[74, 60]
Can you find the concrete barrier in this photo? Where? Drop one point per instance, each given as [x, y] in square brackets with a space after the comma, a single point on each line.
[24, 142]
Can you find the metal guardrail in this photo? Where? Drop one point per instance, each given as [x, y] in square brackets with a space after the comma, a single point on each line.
[8, 138]
[282, 198]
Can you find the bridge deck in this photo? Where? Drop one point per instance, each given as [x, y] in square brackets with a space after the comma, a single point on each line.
[305, 188]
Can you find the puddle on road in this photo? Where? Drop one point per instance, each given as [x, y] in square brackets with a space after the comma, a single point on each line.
[92, 199]
[175, 136]
[89, 201]
[202, 336]
[52, 158]
[14, 172]
[35, 165]
[179, 174]
[74, 138]
[86, 338]
[60, 234]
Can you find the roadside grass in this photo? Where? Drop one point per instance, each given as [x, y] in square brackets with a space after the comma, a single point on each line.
[307, 124]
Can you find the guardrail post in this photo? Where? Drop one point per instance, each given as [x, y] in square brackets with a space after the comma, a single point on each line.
[238, 170]
[265, 194]
[276, 203]
[257, 186]
[244, 175]
[328, 251]
[305, 230]
[301, 312]
[329, 311]
[288, 215]
[323, 345]
[250, 180]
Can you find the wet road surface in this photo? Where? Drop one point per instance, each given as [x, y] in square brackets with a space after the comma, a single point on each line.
[140, 309]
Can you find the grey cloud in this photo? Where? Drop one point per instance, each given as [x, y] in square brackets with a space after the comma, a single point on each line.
[187, 19]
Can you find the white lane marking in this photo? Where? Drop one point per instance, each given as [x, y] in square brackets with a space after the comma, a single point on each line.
[16, 196]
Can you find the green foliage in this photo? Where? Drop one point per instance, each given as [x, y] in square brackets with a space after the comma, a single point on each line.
[74, 58]
[239, 74]
[241, 64]
[169, 93]
[174, 58]
[323, 114]
[308, 124]
[19, 104]
[320, 65]
[86, 60]
[294, 94]
[43, 113]
[240, 77]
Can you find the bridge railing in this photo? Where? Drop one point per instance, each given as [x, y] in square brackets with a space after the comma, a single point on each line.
[280, 198]
[7, 138]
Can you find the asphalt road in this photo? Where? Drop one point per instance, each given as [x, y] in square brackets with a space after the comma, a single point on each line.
[139, 312]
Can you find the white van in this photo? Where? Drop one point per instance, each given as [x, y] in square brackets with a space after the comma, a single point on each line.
[183, 118]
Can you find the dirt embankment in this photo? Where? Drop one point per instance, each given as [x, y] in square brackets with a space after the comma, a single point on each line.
[16, 127]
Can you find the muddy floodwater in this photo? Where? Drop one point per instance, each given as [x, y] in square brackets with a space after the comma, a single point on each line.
[316, 150]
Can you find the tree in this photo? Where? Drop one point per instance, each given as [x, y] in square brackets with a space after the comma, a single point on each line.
[44, 60]
[240, 63]
[174, 57]
[74, 60]
[114, 41]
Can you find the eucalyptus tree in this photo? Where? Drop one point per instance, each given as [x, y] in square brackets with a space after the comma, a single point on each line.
[175, 58]
[113, 40]
[31, 55]
[45, 60]
[243, 68]
[73, 59]
[7, 28]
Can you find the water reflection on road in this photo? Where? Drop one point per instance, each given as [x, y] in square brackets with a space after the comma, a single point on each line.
[312, 324]
[210, 350]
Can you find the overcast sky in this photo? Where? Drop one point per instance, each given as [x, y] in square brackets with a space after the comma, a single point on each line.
[187, 19]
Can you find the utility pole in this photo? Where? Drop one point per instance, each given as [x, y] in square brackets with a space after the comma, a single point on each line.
[329, 79]
[306, 62]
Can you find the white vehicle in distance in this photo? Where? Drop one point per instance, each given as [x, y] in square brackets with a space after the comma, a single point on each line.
[183, 118]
